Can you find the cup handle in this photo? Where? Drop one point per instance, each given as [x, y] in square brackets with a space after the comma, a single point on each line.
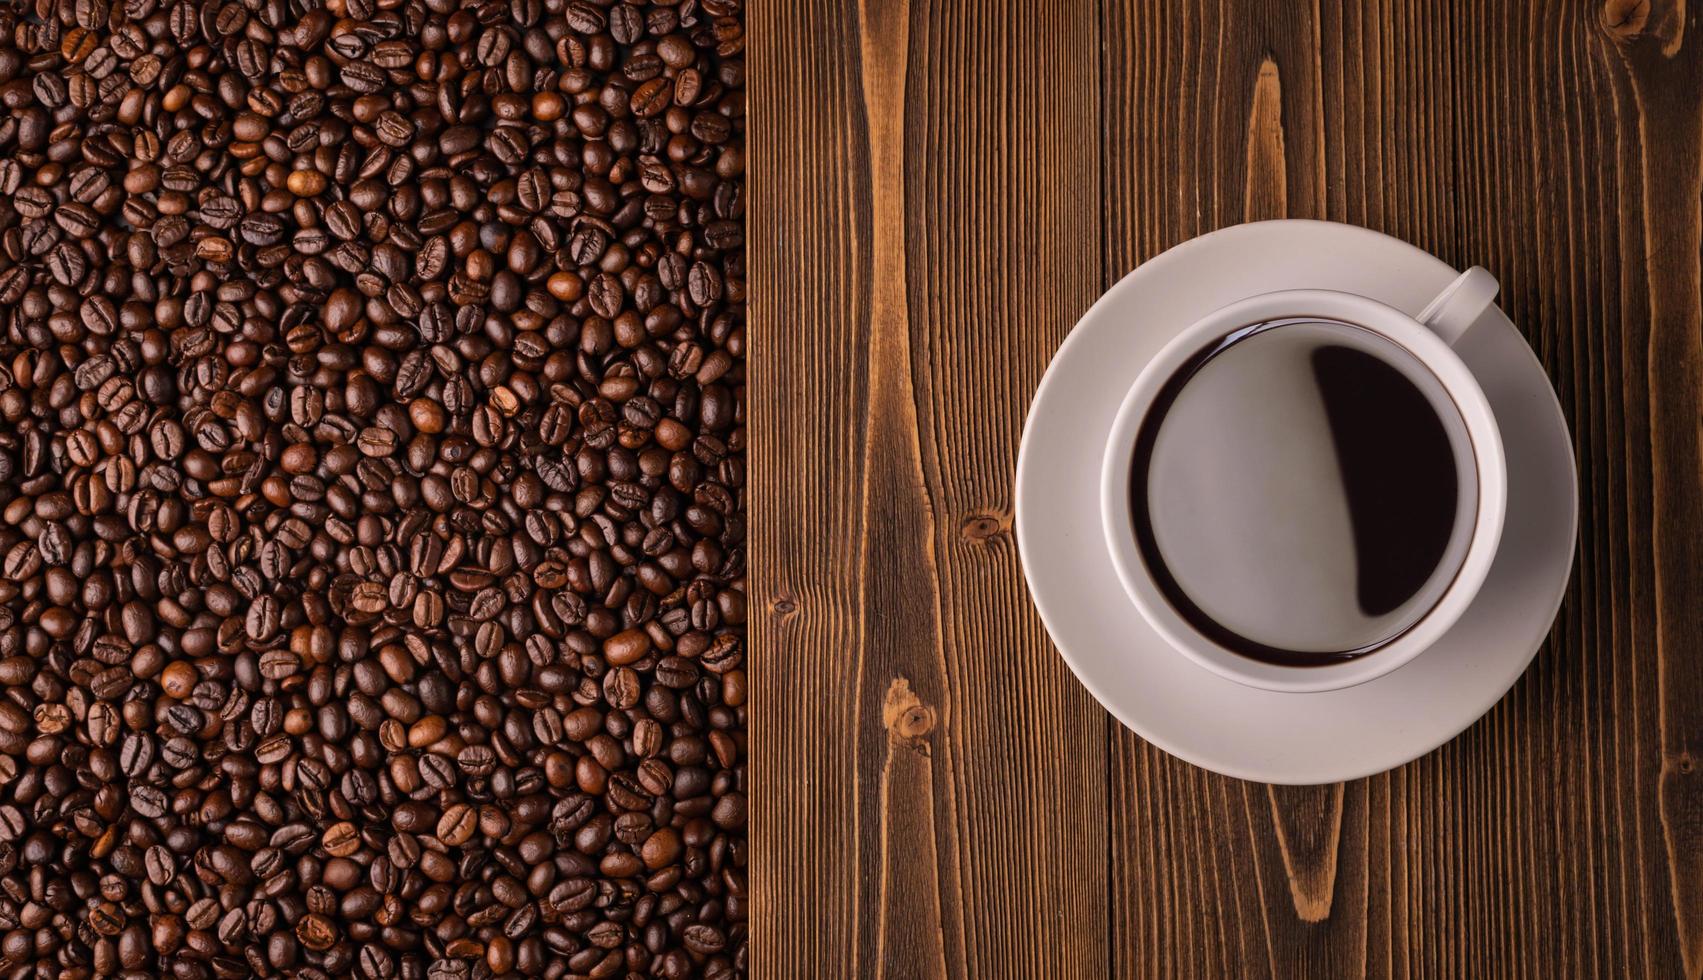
[1458, 306]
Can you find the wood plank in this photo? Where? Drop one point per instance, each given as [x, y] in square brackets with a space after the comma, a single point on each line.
[1296, 879]
[1580, 177]
[929, 784]
[1557, 144]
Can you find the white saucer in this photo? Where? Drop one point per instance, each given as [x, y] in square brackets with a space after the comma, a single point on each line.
[1187, 710]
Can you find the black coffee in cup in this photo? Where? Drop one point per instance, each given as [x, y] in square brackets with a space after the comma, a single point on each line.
[1303, 491]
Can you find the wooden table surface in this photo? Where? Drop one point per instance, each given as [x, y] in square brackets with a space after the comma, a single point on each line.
[938, 190]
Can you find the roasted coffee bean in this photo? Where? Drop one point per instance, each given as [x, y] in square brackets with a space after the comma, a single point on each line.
[12, 825]
[457, 825]
[341, 839]
[160, 865]
[318, 933]
[371, 489]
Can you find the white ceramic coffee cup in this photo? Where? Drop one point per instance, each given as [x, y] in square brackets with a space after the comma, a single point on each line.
[1428, 339]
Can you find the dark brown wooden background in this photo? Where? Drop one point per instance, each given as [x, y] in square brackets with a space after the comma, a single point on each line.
[939, 188]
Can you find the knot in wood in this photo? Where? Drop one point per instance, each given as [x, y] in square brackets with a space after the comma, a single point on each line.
[1625, 18]
[904, 715]
[982, 526]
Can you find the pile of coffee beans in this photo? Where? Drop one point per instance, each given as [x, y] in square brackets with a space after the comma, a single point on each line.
[372, 537]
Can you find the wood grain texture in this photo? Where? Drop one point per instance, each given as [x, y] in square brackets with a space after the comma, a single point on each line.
[935, 789]
[938, 190]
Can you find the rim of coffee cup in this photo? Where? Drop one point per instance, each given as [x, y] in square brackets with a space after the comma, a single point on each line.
[1434, 355]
